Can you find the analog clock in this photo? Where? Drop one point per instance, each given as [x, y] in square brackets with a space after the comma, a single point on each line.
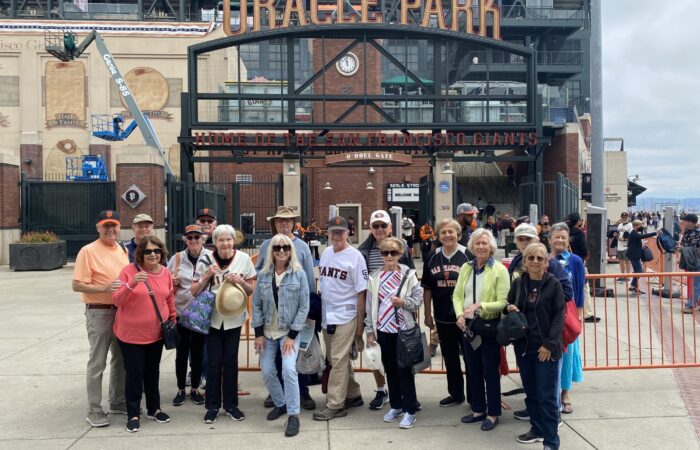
[348, 64]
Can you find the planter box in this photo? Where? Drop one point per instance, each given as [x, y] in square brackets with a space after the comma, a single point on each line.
[48, 256]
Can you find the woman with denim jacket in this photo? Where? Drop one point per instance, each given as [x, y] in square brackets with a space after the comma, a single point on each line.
[394, 295]
[280, 307]
[539, 295]
[481, 290]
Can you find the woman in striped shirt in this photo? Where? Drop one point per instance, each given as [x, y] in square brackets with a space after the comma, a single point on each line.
[394, 296]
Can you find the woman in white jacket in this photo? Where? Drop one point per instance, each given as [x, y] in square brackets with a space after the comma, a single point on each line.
[394, 296]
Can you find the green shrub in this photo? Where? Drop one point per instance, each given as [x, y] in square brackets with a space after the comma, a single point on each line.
[38, 237]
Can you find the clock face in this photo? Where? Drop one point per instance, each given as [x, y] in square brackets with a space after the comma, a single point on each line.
[348, 64]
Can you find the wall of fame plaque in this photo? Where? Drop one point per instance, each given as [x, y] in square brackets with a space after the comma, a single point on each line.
[65, 96]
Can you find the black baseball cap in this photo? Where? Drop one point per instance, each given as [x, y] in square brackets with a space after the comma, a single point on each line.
[108, 216]
[338, 223]
[206, 212]
[690, 217]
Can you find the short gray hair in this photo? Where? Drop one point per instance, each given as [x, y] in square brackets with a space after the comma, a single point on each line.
[221, 230]
[476, 234]
[559, 226]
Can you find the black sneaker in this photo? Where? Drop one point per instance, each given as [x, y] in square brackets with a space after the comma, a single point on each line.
[179, 398]
[529, 438]
[210, 416]
[159, 417]
[235, 414]
[522, 415]
[354, 402]
[133, 425]
[197, 398]
[277, 412]
[268, 403]
[307, 402]
[292, 426]
[449, 401]
[381, 399]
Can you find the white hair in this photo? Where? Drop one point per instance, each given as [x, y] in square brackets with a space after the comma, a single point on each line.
[221, 230]
[281, 239]
[476, 234]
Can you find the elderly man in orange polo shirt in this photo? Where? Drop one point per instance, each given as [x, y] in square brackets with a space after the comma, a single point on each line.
[97, 268]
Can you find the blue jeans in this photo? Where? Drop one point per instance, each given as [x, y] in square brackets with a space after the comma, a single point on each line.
[636, 268]
[289, 395]
[303, 378]
[541, 384]
[695, 294]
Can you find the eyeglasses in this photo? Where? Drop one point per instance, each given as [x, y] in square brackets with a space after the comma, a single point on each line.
[207, 220]
[281, 248]
[148, 251]
[536, 258]
[377, 226]
[393, 253]
[190, 237]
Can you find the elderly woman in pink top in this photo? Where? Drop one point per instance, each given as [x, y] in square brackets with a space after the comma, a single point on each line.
[137, 327]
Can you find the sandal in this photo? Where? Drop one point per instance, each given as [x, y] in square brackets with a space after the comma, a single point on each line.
[566, 408]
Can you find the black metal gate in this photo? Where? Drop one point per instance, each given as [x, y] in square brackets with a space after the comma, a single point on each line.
[253, 203]
[557, 196]
[184, 199]
[67, 208]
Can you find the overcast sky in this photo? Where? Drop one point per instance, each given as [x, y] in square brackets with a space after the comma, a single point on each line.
[651, 91]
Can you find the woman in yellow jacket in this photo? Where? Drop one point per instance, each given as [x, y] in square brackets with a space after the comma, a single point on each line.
[482, 291]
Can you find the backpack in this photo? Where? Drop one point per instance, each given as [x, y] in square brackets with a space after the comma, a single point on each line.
[665, 242]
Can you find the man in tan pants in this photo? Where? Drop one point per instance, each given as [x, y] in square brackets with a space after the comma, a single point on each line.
[343, 280]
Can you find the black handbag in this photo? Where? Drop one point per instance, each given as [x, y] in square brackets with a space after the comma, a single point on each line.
[647, 255]
[168, 328]
[409, 348]
[479, 326]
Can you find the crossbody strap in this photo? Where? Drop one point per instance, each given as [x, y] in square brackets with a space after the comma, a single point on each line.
[398, 293]
[152, 295]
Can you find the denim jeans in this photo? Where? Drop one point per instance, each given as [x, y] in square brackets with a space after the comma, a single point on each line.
[541, 383]
[303, 378]
[636, 268]
[695, 294]
[289, 395]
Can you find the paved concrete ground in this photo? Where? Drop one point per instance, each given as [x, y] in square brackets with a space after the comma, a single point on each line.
[43, 352]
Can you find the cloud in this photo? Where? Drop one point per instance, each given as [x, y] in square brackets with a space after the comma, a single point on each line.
[651, 90]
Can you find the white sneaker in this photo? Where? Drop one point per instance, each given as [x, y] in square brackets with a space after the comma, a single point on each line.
[407, 421]
[392, 415]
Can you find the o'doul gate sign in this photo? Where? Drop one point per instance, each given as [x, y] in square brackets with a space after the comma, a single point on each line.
[364, 11]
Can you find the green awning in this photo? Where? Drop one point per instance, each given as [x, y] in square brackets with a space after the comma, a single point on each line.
[400, 80]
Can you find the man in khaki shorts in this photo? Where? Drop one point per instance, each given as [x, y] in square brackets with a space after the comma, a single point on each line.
[95, 276]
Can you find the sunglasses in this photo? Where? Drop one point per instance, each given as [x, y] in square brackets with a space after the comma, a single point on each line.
[281, 248]
[149, 251]
[207, 220]
[393, 253]
[190, 237]
[536, 258]
[377, 226]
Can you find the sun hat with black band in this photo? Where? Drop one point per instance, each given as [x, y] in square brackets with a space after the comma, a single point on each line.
[283, 212]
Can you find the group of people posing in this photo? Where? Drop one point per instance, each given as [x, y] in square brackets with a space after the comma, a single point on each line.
[368, 296]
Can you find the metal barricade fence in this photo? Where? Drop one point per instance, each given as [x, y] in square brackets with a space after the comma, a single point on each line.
[636, 330]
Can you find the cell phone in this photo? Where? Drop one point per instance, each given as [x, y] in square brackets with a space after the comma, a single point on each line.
[330, 329]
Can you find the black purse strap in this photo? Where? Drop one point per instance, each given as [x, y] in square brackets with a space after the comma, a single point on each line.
[474, 283]
[152, 295]
[398, 292]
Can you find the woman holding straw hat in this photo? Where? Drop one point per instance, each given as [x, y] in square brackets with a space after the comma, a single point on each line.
[229, 277]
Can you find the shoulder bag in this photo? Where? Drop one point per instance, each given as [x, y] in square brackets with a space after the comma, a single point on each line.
[197, 314]
[647, 255]
[409, 348]
[480, 326]
[168, 328]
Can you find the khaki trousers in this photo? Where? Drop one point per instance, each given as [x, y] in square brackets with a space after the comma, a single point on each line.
[99, 324]
[341, 381]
